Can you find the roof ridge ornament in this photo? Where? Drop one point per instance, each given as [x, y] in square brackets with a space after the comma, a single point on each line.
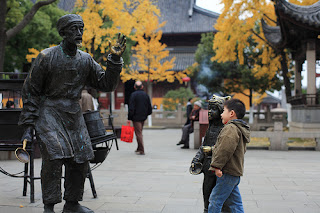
[190, 11]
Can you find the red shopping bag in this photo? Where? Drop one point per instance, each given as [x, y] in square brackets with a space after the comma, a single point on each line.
[127, 133]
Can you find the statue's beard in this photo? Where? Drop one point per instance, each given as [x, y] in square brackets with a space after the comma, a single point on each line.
[79, 45]
[78, 42]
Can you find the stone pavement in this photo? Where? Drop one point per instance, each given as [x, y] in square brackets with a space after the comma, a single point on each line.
[159, 182]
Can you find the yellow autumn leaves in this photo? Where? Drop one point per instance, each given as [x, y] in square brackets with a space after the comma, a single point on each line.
[139, 21]
[34, 53]
[241, 19]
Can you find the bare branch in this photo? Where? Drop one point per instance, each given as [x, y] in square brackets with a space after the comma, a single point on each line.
[27, 18]
[270, 18]
[267, 42]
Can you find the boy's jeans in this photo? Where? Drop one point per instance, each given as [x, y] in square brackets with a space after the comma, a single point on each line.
[226, 190]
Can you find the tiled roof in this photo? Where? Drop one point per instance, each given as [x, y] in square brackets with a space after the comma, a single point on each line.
[272, 34]
[270, 100]
[66, 5]
[184, 57]
[309, 15]
[295, 24]
[183, 16]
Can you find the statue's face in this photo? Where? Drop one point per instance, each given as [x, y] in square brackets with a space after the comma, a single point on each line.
[213, 111]
[73, 33]
[215, 107]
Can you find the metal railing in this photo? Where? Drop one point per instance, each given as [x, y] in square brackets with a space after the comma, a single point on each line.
[12, 76]
[305, 99]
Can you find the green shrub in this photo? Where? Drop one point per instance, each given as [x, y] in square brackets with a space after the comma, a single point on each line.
[174, 97]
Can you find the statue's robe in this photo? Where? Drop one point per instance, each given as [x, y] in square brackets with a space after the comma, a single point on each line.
[51, 94]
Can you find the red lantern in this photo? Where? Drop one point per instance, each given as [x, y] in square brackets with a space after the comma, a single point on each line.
[186, 79]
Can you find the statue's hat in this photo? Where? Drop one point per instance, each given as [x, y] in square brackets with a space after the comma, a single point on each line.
[68, 19]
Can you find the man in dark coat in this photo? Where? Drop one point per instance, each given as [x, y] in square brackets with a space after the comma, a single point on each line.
[51, 94]
[189, 109]
[139, 109]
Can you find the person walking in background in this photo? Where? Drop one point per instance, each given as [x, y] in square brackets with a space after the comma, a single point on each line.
[86, 101]
[228, 158]
[139, 109]
[189, 109]
[188, 129]
[95, 95]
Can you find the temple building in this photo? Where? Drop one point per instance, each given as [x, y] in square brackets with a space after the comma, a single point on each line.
[298, 29]
[185, 22]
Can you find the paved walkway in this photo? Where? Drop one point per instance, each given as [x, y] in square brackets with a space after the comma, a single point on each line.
[159, 182]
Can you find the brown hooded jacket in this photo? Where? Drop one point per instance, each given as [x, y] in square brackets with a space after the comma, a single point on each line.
[228, 153]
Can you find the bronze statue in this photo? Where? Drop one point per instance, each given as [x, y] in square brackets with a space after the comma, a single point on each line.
[201, 161]
[51, 94]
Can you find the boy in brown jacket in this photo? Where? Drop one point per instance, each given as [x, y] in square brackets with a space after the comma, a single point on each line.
[228, 158]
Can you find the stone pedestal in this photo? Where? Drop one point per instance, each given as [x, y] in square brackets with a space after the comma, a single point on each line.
[305, 119]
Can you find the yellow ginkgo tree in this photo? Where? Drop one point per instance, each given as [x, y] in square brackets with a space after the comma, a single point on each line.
[150, 59]
[240, 20]
[149, 62]
[106, 18]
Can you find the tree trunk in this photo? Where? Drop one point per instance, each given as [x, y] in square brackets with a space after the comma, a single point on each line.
[27, 18]
[3, 36]
[149, 92]
[251, 107]
[286, 80]
[150, 95]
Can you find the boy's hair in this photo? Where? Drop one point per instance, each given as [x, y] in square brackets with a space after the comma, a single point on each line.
[237, 106]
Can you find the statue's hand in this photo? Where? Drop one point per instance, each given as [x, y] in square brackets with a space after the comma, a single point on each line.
[28, 134]
[120, 46]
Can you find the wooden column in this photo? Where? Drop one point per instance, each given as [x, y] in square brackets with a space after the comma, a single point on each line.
[297, 79]
[311, 70]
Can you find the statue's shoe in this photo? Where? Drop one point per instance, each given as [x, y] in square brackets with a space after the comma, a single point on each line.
[48, 208]
[75, 208]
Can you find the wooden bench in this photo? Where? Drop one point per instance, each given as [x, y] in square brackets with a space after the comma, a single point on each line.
[10, 140]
